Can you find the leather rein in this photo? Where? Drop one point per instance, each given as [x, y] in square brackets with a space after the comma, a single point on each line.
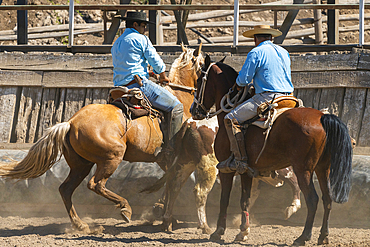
[226, 104]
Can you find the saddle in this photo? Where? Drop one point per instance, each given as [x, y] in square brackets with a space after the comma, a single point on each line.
[268, 112]
[132, 102]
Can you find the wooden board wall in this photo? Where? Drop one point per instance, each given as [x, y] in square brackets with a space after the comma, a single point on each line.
[40, 90]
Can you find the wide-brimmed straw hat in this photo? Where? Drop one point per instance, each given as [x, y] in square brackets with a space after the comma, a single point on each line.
[135, 16]
[262, 29]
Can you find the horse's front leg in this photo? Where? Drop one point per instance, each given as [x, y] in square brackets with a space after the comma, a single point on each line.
[226, 185]
[246, 182]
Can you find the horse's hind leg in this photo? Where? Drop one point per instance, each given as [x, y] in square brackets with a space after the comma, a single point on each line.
[79, 169]
[308, 189]
[97, 184]
[206, 177]
[226, 185]
[174, 184]
[288, 176]
[246, 182]
[323, 177]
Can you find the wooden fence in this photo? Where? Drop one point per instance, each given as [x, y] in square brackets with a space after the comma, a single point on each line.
[40, 90]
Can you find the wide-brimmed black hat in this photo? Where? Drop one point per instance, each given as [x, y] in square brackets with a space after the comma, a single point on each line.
[134, 16]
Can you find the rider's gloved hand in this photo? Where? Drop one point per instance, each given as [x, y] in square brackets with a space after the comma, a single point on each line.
[163, 79]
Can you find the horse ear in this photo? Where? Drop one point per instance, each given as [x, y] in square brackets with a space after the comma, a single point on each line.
[183, 47]
[207, 61]
[222, 60]
[198, 50]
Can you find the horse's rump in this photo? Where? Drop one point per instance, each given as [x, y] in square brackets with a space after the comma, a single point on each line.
[101, 130]
[298, 127]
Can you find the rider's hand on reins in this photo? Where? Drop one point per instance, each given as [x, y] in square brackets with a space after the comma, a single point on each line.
[238, 87]
[154, 75]
[163, 79]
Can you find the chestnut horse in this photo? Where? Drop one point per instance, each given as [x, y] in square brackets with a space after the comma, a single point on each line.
[100, 134]
[303, 138]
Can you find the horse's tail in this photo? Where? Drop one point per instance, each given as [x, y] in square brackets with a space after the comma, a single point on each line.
[41, 156]
[339, 145]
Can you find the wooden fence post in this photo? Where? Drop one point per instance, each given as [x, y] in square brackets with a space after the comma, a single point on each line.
[22, 24]
[152, 28]
[333, 23]
[318, 24]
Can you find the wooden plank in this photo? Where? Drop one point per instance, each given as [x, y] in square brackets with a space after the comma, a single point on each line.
[8, 98]
[74, 101]
[331, 79]
[364, 136]
[28, 113]
[353, 109]
[100, 78]
[310, 97]
[325, 62]
[47, 111]
[60, 105]
[20, 78]
[89, 96]
[332, 98]
[59, 62]
[100, 95]
[364, 62]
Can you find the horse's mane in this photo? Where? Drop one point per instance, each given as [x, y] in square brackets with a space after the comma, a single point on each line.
[230, 71]
[182, 61]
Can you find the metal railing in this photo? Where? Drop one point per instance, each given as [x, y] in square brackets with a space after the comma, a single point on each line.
[236, 7]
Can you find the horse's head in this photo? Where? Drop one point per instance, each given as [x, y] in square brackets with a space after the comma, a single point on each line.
[214, 82]
[186, 68]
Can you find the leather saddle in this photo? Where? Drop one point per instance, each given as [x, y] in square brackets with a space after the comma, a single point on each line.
[132, 102]
[267, 112]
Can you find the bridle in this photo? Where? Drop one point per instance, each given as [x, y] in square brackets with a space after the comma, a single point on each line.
[224, 107]
[199, 103]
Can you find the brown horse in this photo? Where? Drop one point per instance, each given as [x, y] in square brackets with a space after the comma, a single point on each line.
[303, 138]
[100, 134]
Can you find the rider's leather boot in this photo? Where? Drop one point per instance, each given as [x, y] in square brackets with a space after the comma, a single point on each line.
[237, 147]
[173, 125]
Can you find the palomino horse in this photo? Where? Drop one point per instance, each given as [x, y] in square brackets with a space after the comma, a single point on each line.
[100, 134]
[303, 138]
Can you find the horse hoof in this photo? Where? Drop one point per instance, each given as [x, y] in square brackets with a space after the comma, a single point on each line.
[126, 214]
[82, 227]
[158, 210]
[299, 242]
[242, 236]
[289, 211]
[166, 227]
[216, 236]
[205, 230]
[323, 240]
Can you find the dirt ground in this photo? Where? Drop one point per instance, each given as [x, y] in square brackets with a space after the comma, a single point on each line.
[50, 231]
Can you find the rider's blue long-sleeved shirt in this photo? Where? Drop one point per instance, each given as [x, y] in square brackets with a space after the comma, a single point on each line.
[268, 65]
[131, 53]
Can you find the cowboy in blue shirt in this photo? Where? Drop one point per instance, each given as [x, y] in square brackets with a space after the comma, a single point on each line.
[131, 54]
[267, 67]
